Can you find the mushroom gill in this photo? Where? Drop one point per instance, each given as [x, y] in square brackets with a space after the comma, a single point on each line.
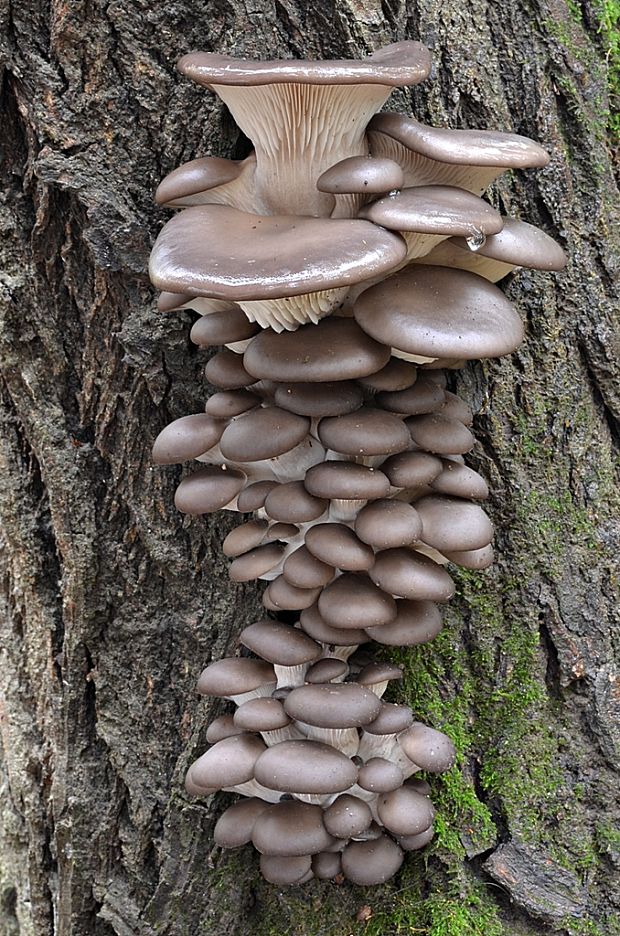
[344, 269]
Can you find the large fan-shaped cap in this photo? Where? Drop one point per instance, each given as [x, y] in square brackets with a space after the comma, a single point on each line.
[438, 312]
[305, 767]
[435, 209]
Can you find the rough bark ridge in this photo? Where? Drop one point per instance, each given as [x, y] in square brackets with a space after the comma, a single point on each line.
[113, 603]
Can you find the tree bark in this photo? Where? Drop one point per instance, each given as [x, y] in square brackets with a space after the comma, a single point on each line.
[113, 602]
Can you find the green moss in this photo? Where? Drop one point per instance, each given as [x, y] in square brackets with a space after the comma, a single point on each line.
[608, 14]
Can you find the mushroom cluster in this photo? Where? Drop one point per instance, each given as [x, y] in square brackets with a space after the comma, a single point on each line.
[342, 270]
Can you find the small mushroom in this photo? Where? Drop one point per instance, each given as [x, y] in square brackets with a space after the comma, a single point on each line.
[430, 749]
[347, 817]
[237, 678]
[371, 862]
[405, 811]
[234, 827]
[186, 438]
[208, 490]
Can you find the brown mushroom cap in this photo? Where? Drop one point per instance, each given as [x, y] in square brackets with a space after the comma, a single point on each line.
[218, 251]
[379, 775]
[365, 432]
[195, 176]
[411, 469]
[440, 312]
[226, 371]
[234, 827]
[326, 865]
[386, 523]
[395, 65]
[285, 869]
[472, 558]
[222, 727]
[457, 409]
[280, 643]
[406, 574]
[361, 175]
[263, 714]
[391, 719]
[440, 434]
[227, 763]
[208, 490]
[396, 375]
[453, 524]
[228, 403]
[347, 816]
[416, 622]
[256, 562]
[458, 480]
[254, 495]
[234, 676]
[413, 842]
[263, 433]
[305, 767]
[430, 749]
[319, 399]
[342, 480]
[186, 438]
[337, 544]
[425, 396]
[325, 670]
[244, 537]
[434, 209]
[222, 328]
[521, 244]
[352, 600]
[372, 862]
[281, 595]
[404, 811]
[333, 705]
[281, 531]
[336, 349]
[290, 828]
[377, 672]
[314, 625]
[304, 570]
[292, 503]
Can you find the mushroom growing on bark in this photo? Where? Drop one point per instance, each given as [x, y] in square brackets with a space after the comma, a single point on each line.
[342, 269]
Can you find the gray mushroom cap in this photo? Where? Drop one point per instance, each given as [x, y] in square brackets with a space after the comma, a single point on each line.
[352, 600]
[263, 714]
[411, 469]
[314, 625]
[367, 431]
[405, 811]
[286, 869]
[449, 523]
[208, 490]
[333, 350]
[319, 399]
[226, 371]
[326, 865]
[416, 622]
[228, 403]
[223, 253]
[220, 328]
[291, 828]
[229, 762]
[196, 176]
[347, 816]
[440, 312]
[235, 676]
[186, 438]
[377, 672]
[304, 570]
[234, 827]
[391, 719]
[387, 523]
[333, 705]
[343, 480]
[472, 558]
[325, 670]
[407, 574]
[305, 767]
[244, 537]
[520, 244]
[280, 643]
[222, 727]
[456, 480]
[371, 862]
[292, 503]
[362, 175]
[262, 433]
[425, 396]
[430, 749]
[413, 842]
[396, 375]
[338, 545]
[256, 562]
[435, 209]
[379, 775]
[281, 595]
[440, 434]
[254, 495]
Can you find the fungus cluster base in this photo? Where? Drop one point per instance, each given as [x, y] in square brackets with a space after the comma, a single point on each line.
[342, 270]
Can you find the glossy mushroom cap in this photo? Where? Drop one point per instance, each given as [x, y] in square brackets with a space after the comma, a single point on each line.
[344, 480]
[314, 624]
[347, 816]
[416, 622]
[222, 328]
[262, 433]
[280, 643]
[430, 749]
[449, 523]
[367, 431]
[264, 714]
[391, 719]
[352, 600]
[361, 175]
[305, 767]
[227, 763]
[338, 545]
[319, 399]
[405, 811]
[385, 524]
[406, 574]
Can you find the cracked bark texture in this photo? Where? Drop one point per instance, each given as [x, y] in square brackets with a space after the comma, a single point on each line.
[112, 602]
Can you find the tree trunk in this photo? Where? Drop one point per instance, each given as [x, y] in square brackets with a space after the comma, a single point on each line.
[113, 602]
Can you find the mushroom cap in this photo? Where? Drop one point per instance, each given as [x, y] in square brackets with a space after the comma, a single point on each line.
[234, 676]
[521, 244]
[396, 375]
[425, 396]
[314, 625]
[256, 562]
[198, 175]
[440, 434]
[305, 767]
[326, 865]
[365, 432]
[244, 537]
[416, 622]
[387, 523]
[434, 209]
[234, 827]
[292, 503]
[413, 842]
[186, 438]
[208, 490]
[285, 869]
[440, 312]
[411, 469]
[291, 829]
[333, 705]
[229, 762]
[226, 371]
[325, 670]
[341, 480]
[430, 749]
[304, 570]
[453, 524]
[457, 409]
[347, 816]
[458, 480]
[377, 672]
[220, 328]
[472, 558]
[362, 175]
[372, 862]
[224, 253]
[228, 403]
[263, 714]
[221, 727]
[335, 349]
[281, 531]
[391, 719]
[254, 495]
[281, 595]
[319, 399]
[337, 544]
[280, 643]
[394, 65]
[405, 811]
[379, 775]
[265, 432]
[407, 574]
[352, 600]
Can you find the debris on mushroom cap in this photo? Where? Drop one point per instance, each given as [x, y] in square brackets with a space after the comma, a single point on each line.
[453, 524]
[347, 816]
[208, 490]
[291, 828]
[265, 432]
[405, 812]
[430, 749]
[322, 399]
[365, 432]
[416, 622]
[334, 349]
[520, 244]
[229, 762]
[434, 209]
[333, 705]
[406, 574]
[388, 523]
[371, 862]
[220, 252]
[285, 869]
[379, 775]
[234, 827]
[221, 328]
[439, 312]
[305, 767]
[338, 545]
[186, 438]
[346, 481]
[353, 600]
[361, 175]
[234, 676]
[280, 643]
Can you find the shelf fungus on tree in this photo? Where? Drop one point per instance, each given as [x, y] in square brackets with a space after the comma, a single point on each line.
[340, 273]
